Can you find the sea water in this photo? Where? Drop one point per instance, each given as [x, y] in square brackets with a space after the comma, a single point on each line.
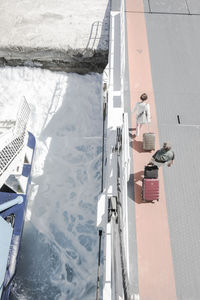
[59, 249]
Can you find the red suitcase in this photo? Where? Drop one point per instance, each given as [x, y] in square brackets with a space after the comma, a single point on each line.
[150, 189]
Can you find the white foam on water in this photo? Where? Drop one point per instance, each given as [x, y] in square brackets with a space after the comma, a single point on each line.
[58, 257]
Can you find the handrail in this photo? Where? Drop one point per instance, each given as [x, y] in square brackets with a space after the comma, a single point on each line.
[125, 142]
[119, 213]
[117, 121]
[99, 264]
[105, 97]
[13, 140]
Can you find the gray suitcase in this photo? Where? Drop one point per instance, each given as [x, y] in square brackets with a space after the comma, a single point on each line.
[149, 140]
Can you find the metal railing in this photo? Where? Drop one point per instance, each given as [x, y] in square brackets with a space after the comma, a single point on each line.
[99, 264]
[12, 141]
[105, 101]
[121, 214]
[116, 237]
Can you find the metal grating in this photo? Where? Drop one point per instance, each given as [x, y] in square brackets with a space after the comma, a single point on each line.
[13, 140]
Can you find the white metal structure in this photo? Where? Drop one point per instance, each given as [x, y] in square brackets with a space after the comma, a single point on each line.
[13, 139]
[5, 241]
[112, 216]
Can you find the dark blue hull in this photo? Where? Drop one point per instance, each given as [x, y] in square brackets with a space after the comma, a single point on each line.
[19, 212]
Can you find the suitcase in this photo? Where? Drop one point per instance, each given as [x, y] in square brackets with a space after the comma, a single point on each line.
[151, 171]
[150, 189]
[149, 140]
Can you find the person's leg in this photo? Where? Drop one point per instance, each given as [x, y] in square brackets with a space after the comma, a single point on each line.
[138, 127]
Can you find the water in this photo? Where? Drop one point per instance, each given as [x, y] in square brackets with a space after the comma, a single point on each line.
[59, 250]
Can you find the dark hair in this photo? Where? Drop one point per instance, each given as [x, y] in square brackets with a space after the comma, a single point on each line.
[143, 97]
[167, 146]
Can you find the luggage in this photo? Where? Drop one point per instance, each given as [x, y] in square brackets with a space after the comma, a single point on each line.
[149, 139]
[151, 171]
[150, 189]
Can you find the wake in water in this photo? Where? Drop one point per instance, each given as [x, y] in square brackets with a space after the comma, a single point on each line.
[58, 256]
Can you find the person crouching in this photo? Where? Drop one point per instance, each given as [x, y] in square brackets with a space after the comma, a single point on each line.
[164, 156]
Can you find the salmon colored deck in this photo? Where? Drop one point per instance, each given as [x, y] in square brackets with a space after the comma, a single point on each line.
[155, 266]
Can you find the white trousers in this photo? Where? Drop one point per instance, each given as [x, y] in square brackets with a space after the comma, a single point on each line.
[138, 127]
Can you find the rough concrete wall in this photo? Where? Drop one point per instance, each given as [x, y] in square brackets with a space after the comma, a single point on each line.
[60, 35]
[80, 61]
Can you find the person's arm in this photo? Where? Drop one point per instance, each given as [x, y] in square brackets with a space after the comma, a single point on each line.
[172, 160]
[135, 108]
[155, 154]
[170, 163]
[173, 156]
[151, 162]
[148, 113]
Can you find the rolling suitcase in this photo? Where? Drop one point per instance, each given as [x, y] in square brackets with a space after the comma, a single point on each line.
[150, 171]
[149, 139]
[150, 189]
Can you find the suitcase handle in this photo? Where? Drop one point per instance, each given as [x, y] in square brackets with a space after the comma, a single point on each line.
[148, 127]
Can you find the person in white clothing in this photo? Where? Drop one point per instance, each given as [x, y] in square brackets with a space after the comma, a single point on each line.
[143, 115]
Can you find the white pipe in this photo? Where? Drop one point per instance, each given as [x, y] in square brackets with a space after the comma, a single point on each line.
[11, 203]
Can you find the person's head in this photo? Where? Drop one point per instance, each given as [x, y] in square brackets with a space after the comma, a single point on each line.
[166, 146]
[143, 97]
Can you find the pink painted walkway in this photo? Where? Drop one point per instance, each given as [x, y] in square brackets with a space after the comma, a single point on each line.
[155, 266]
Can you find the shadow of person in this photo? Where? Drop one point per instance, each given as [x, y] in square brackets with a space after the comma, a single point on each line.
[138, 176]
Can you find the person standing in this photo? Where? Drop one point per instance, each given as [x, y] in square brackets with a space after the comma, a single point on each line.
[143, 115]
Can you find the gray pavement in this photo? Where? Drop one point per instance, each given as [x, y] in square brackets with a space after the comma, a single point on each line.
[174, 43]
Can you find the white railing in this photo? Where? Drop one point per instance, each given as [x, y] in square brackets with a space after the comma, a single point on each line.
[125, 174]
[125, 153]
[125, 148]
[22, 118]
[116, 119]
[12, 141]
[122, 46]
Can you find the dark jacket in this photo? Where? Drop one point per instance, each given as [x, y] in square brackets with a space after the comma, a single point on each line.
[164, 155]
